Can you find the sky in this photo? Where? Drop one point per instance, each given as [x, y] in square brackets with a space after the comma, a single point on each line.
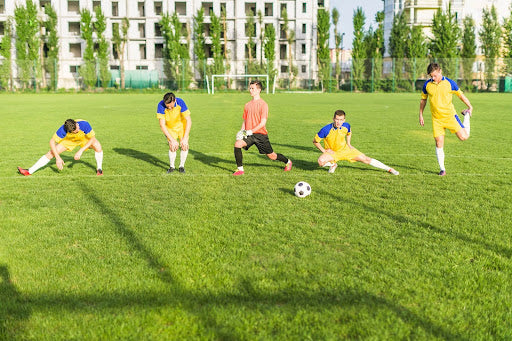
[346, 9]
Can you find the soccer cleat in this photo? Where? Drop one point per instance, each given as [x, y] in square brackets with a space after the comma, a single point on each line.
[99, 172]
[288, 166]
[394, 172]
[23, 171]
[238, 172]
[333, 168]
[181, 169]
[442, 173]
[170, 170]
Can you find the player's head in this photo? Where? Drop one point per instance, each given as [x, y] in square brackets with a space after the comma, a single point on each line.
[435, 72]
[70, 125]
[257, 83]
[169, 98]
[338, 118]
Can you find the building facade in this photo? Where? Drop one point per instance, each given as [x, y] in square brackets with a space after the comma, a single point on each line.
[145, 46]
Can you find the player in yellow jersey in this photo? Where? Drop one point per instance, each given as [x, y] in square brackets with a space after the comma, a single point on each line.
[175, 122]
[71, 134]
[337, 147]
[440, 90]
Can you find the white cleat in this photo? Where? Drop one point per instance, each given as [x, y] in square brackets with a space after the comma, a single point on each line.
[333, 168]
[394, 172]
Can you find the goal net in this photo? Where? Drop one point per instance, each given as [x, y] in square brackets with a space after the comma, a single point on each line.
[248, 77]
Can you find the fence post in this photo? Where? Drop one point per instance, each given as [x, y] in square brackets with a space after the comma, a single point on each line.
[393, 89]
[373, 74]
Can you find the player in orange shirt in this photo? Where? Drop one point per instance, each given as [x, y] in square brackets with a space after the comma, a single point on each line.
[254, 131]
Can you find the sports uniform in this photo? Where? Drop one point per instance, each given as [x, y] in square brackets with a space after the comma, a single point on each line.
[335, 139]
[254, 112]
[175, 118]
[71, 140]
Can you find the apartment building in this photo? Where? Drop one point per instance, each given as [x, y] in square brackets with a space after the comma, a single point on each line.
[144, 50]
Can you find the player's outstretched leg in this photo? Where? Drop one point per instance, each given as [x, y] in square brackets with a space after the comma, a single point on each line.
[239, 161]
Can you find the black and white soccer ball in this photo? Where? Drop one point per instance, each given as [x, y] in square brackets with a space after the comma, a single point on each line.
[302, 189]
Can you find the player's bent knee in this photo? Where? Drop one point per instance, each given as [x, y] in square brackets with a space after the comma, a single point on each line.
[272, 156]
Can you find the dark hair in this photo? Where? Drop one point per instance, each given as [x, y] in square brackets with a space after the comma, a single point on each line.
[258, 83]
[339, 113]
[432, 67]
[169, 97]
[69, 125]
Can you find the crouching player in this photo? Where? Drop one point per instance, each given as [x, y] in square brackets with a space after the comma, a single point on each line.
[337, 147]
[71, 134]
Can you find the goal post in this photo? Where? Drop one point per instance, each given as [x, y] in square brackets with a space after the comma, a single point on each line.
[238, 77]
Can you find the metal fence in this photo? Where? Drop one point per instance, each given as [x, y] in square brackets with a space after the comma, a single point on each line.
[366, 75]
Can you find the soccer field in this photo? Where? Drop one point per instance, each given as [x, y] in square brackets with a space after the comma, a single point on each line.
[139, 254]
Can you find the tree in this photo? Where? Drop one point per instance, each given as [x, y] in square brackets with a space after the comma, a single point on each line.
[490, 36]
[270, 50]
[445, 43]
[251, 45]
[507, 44]
[358, 48]
[120, 38]
[290, 38]
[468, 52]
[88, 69]
[215, 32]
[377, 51]
[417, 50]
[324, 63]
[52, 45]
[5, 52]
[103, 55]
[27, 43]
[199, 44]
[260, 21]
[175, 53]
[337, 42]
[225, 32]
[398, 48]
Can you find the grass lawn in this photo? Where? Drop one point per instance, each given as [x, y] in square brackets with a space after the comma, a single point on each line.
[139, 254]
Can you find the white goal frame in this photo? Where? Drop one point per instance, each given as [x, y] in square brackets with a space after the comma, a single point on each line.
[237, 76]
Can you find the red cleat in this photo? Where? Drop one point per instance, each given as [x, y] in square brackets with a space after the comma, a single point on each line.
[288, 166]
[238, 172]
[23, 171]
[99, 172]
[442, 173]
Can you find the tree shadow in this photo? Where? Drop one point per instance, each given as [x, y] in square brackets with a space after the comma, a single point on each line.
[13, 309]
[211, 160]
[142, 156]
[312, 149]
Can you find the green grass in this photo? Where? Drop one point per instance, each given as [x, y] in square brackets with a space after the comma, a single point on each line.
[138, 254]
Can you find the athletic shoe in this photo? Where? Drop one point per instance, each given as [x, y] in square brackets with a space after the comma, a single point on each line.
[288, 166]
[442, 173]
[170, 170]
[99, 172]
[23, 171]
[333, 168]
[394, 172]
[181, 169]
[238, 172]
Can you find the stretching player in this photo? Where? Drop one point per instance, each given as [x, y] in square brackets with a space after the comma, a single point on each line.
[337, 147]
[71, 134]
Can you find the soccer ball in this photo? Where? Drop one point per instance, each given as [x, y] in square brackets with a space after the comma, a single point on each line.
[302, 189]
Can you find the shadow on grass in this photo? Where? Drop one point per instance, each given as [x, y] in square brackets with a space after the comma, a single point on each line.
[13, 310]
[212, 161]
[142, 156]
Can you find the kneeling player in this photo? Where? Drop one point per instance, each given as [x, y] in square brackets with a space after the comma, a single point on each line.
[337, 147]
[71, 134]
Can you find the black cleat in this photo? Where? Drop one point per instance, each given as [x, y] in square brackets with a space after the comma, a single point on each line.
[170, 170]
[181, 169]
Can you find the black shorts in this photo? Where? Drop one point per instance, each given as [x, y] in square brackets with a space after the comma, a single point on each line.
[261, 141]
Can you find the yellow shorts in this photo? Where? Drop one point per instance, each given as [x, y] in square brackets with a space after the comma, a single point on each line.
[346, 154]
[176, 133]
[452, 123]
[70, 145]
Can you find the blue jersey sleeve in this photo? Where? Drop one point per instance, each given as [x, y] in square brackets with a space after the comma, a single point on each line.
[61, 132]
[346, 125]
[182, 104]
[324, 131]
[454, 85]
[161, 108]
[85, 126]
[424, 89]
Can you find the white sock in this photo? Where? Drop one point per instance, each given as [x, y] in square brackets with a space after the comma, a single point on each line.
[466, 123]
[328, 164]
[43, 161]
[172, 159]
[241, 168]
[378, 164]
[440, 158]
[99, 159]
[183, 157]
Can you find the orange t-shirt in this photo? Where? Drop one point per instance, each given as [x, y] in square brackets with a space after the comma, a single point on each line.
[254, 112]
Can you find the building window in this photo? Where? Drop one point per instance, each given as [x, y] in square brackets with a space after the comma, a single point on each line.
[304, 28]
[321, 3]
[2, 6]
[282, 31]
[115, 67]
[303, 48]
[208, 51]
[207, 8]
[142, 51]
[269, 9]
[223, 8]
[76, 50]
[184, 29]
[206, 29]
[42, 3]
[141, 67]
[304, 69]
[282, 51]
[158, 8]
[304, 7]
[74, 68]
[180, 8]
[250, 9]
[96, 4]
[284, 68]
[73, 6]
[115, 9]
[253, 51]
[283, 8]
[247, 28]
[142, 11]
[2, 28]
[74, 28]
[142, 30]
[158, 30]
[115, 55]
[159, 50]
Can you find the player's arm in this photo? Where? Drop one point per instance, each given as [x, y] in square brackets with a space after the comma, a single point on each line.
[349, 138]
[58, 159]
[259, 126]
[184, 140]
[466, 101]
[423, 103]
[89, 143]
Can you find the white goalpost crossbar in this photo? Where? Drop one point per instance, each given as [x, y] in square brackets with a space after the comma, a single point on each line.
[236, 76]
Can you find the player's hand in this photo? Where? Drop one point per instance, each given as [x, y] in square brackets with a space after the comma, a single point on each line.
[78, 154]
[184, 143]
[173, 145]
[330, 151]
[60, 163]
[422, 121]
[248, 132]
[240, 135]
